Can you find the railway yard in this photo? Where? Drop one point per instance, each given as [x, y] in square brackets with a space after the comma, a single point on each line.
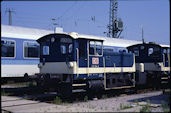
[29, 99]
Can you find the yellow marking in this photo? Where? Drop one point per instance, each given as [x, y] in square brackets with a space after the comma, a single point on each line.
[78, 84]
[119, 87]
[164, 78]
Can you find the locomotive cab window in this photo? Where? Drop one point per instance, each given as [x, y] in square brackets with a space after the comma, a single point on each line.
[66, 46]
[31, 50]
[95, 48]
[154, 51]
[63, 49]
[8, 48]
[150, 51]
[136, 52]
[45, 50]
[168, 51]
[70, 48]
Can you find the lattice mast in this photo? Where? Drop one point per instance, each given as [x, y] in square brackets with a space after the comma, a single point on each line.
[115, 26]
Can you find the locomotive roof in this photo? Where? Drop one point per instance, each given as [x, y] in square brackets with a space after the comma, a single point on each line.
[75, 35]
[150, 43]
[23, 32]
[107, 41]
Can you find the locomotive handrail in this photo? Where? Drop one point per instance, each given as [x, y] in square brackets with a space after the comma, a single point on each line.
[168, 59]
[77, 60]
[104, 72]
[164, 60]
[88, 58]
[114, 65]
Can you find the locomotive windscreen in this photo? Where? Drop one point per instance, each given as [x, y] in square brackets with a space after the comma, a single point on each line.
[54, 48]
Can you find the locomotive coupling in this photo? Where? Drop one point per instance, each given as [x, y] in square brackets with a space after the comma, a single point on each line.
[40, 65]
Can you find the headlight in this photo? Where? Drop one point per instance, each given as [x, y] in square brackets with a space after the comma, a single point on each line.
[158, 65]
[70, 64]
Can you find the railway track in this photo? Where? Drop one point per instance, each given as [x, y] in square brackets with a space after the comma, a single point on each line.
[34, 93]
[20, 104]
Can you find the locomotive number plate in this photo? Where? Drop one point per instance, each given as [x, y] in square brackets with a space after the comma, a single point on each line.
[95, 60]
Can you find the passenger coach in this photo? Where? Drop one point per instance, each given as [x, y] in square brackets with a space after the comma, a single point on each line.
[19, 51]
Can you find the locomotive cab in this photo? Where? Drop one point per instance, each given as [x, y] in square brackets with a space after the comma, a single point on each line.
[154, 58]
[66, 54]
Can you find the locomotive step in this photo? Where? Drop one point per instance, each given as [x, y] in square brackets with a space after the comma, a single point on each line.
[78, 90]
[164, 78]
[75, 85]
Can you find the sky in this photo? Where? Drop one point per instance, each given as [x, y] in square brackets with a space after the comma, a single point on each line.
[76, 16]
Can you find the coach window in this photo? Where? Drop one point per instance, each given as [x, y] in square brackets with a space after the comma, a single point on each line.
[31, 50]
[7, 48]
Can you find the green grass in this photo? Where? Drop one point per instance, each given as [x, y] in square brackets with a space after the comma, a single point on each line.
[146, 108]
[57, 100]
[165, 107]
[104, 96]
[3, 93]
[124, 107]
[86, 98]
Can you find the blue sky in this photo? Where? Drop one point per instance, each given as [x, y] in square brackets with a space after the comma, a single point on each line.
[75, 16]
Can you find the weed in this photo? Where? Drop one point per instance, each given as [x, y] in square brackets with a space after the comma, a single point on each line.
[3, 93]
[124, 107]
[57, 100]
[86, 98]
[104, 96]
[31, 84]
[165, 107]
[136, 101]
[146, 108]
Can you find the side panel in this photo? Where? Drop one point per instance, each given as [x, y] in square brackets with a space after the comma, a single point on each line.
[18, 70]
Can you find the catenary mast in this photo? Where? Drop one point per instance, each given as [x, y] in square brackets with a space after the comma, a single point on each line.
[115, 26]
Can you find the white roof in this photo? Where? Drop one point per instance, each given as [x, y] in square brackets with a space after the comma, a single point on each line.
[119, 42]
[32, 33]
[77, 35]
[23, 32]
[164, 45]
